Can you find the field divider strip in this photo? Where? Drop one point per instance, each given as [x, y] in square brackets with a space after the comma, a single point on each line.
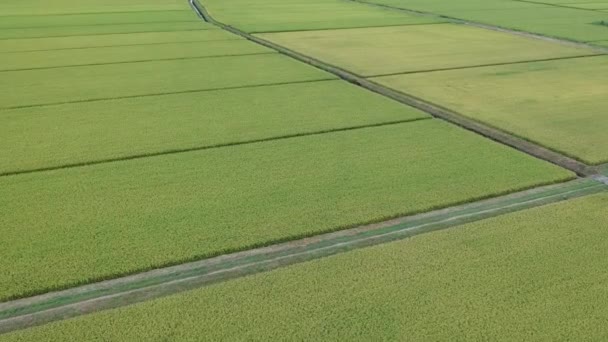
[119, 45]
[27, 312]
[212, 146]
[521, 33]
[164, 93]
[436, 111]
[140, 61]
[488, 65]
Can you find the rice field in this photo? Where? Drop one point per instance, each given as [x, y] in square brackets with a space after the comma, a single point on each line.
[125, 54]
[136, 136]
[112, 40]
[541, 17]
[102, 82]
[418, 48]
[537, 274]
[234, 198]
[125, 128]
[113, 19]
[294, 15]
[561, 105]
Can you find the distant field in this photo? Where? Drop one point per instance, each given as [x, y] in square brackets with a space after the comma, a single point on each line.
[570, 23]
[116, 18]
[292, 15]
[559, 104]
[91, 30]
[538, 274]
[385, 50]
[85, 83]
[68, 226]
[81, 42]
[119, 54]
[51, 136]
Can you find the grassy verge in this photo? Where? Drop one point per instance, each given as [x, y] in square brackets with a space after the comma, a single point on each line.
[386, 50]
[568, 119]
[115, 129]
[72, 226]
[86, 83]
[484, 280]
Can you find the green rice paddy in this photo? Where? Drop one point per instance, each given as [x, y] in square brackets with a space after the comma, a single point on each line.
[84, 42]
[91, 30]
[70, 226]
[86, 83]
[541, 18]
[59, 7]
[137, 136]
[293, 15]
[116, 18]
[558, 104]
[53, 136]
[122, 54]
[387, 50]
[532, 275]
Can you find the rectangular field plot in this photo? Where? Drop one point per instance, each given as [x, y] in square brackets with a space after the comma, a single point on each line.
[52, 136]
[387, 50]
[86, 83]
[91, 30]
[570, 23]
[558, 104]
[83, 42]
[120, 54]
[46, 21]
[492, 278]
[552, 21]
[75, 225]
[44, 7]
[293, 15]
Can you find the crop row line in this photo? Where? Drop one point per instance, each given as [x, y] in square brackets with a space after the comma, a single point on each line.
[27, 312]
[208, 147]
[140, 61]
[434, 110]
